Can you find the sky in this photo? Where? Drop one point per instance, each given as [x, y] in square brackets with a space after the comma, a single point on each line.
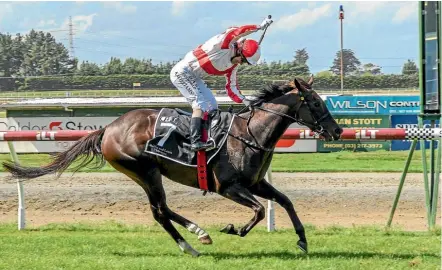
[382, 33]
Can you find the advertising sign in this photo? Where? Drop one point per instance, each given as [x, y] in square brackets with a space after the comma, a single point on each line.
[373, 104]
[46, 123]
[408, 121]
[357, 121]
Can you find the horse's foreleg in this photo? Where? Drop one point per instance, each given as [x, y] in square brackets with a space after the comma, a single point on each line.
[241, 195]
[265, 190]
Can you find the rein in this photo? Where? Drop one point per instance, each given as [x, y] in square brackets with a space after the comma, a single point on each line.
[250, 143]
[317, 127]
[252, 113]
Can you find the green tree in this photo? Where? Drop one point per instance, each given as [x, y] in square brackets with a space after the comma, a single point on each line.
[131, 66]
[11, 54]
[5, 55]
[325, 74]
[89, 69]
[301, 57]
[42, 55]
[114, 66]
[409, 68]
[350, 62]
[370, 69]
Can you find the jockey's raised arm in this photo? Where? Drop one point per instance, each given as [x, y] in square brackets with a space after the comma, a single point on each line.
[234, 33]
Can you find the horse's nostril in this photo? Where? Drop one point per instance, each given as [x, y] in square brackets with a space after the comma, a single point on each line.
[339, 131]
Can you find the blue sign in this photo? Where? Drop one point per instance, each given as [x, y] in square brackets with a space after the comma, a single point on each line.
[373, 104]
[408, 121]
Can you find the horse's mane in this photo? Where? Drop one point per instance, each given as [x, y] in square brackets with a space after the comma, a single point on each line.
[273, 91]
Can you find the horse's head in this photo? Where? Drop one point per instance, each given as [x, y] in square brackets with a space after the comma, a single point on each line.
[312, 111]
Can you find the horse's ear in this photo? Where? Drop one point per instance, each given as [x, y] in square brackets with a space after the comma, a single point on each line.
[310, 81]
[299, 86]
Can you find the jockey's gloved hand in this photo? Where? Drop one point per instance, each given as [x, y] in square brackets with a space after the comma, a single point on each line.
[265, 23]
[247, 102]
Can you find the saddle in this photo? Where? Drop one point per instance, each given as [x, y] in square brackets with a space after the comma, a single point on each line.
[172, 135]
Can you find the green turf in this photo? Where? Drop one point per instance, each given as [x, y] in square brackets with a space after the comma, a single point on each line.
[347, 161]
[115, 246]
[377, 161]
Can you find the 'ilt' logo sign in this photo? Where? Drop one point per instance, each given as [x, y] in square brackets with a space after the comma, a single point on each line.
[307, 134]
[45, 136]
[366, 133]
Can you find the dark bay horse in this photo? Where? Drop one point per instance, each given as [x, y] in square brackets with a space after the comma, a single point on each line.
[237, 171]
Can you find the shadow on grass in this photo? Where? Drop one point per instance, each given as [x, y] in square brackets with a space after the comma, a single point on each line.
[285, 255]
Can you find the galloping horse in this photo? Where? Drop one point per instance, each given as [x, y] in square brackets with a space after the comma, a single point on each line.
[237, 170]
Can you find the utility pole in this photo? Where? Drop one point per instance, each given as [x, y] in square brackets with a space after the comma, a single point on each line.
[71, 38]
[341, 18]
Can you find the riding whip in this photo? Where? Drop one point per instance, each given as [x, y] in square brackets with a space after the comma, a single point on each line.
[267, 26]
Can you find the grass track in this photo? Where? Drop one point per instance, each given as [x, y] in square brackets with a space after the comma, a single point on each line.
[377, 161]
[115, 246]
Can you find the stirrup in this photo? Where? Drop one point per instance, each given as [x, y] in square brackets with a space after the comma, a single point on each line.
[198, 146]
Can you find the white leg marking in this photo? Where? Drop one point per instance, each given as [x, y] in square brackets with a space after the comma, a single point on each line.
[188, 249]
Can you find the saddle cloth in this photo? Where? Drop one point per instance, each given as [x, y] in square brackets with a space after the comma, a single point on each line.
[172, 135]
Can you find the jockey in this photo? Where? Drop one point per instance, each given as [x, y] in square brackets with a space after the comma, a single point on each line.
[219, 56]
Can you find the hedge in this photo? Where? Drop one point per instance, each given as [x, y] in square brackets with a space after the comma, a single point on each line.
[158, 81]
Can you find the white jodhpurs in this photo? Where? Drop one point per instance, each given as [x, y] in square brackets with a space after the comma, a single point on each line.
[192, 88]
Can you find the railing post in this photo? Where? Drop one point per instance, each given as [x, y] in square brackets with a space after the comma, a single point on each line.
[270, 208]
[21, 192]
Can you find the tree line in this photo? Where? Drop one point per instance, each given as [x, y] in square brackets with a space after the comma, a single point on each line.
[38, 54]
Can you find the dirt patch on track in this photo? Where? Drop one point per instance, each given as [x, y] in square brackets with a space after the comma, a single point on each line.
[321, 199]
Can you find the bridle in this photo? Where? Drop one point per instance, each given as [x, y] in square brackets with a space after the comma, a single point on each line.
[317, 127]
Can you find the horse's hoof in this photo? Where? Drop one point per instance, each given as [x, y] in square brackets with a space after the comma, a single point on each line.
[229, 229]
[206, 240]
[186, 248]
[303, 246]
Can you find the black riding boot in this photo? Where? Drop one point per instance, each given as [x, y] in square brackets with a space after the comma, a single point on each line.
[196, 135]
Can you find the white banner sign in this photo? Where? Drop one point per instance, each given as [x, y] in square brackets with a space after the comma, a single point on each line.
[48, 123]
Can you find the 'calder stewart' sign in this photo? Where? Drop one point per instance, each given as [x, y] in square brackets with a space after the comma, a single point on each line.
[45, 140]
[56, 123]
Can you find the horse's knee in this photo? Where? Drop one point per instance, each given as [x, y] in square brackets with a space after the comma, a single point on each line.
[288, 205]
[158, 213]
[285, 202]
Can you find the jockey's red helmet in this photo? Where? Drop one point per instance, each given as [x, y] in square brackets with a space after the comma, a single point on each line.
[251, 51]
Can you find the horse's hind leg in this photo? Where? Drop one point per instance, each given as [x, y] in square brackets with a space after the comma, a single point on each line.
[265, 190]
[161, 212]
[149, 178]
[203, 236]
[243, 196]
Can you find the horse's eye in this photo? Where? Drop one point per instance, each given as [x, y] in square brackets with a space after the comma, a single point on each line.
[317, 104]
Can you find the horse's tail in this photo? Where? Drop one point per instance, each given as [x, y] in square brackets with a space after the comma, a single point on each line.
[89, 146]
